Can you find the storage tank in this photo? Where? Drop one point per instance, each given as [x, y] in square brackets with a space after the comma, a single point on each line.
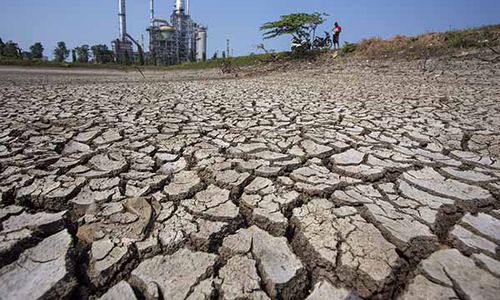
[166, 32]
[201, 43]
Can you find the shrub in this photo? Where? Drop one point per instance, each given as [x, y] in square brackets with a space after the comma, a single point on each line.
[348, 48]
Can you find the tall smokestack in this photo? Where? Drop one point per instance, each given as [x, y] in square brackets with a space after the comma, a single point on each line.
[123, 19]
[151, 11]
[179, 6]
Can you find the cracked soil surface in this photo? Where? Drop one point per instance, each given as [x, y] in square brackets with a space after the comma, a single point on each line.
[362, 180]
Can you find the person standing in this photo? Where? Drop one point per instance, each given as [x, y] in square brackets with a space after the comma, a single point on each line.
[336, 36]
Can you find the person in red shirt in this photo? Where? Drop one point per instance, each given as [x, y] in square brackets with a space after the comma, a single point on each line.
[336, 36]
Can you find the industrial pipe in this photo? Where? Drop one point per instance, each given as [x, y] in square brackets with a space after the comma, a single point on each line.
[139, 48]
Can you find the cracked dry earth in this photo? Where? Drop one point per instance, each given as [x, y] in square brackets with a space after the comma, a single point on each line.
[364, 181]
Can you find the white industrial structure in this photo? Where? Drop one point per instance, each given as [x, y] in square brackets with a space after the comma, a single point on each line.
[170, 42]
[201, 43]
[177, 41]
[122, 46]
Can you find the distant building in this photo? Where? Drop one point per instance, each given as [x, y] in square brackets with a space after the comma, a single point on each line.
[170, 42]
[177, 41]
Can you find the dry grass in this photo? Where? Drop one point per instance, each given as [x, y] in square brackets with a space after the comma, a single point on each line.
[430, 44]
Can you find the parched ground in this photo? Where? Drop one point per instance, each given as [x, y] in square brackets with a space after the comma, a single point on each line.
[357, 179]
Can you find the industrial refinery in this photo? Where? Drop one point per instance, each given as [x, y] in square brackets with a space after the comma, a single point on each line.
[173, 41]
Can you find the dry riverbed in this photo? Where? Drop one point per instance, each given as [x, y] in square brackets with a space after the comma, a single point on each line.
[360, 179]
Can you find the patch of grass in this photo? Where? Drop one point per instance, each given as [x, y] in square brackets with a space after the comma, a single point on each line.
[7, 61]
[239, 61]
[52, 64]
[457, 39]
[348, 48]
[429, 44]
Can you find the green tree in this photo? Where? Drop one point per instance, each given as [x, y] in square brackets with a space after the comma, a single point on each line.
[223, 54]
[37, 50]
[73, 56]
[83, 53]
[102, 54]
[11, 49]
[301, 26]
[61, 52]
[26, 55]
[2, 46]
[96, 53]
[214, 57]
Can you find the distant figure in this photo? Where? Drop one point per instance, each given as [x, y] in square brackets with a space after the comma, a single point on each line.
[336, 36]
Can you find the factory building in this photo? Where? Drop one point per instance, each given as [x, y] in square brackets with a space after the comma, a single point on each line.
[170, 42]
[177, 41]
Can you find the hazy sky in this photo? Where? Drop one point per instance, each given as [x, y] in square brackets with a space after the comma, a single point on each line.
[95, 21]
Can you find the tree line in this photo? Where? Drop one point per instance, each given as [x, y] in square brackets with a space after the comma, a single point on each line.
[100, 53]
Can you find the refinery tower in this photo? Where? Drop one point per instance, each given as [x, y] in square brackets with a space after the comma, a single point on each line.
[170, 42]
[122, 46]
[178, 40]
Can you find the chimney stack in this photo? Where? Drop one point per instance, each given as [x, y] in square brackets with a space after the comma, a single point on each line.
[123, 20]
[151, 11]
[179, 6]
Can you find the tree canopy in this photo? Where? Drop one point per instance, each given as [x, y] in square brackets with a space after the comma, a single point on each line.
[2, 46]
[83, 53]
[299, 25]
[37, 50]
[11, 49]
[61, 52]
[102, 54]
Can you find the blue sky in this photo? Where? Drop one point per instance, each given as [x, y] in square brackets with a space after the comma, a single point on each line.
[95, 21]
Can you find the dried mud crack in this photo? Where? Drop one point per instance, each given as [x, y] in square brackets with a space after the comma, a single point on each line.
[369, 181]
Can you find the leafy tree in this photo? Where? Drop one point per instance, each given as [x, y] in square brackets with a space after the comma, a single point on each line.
[108, 56]
[102, 54]
[301, 26]
[11, 49]
[61, 52]
[2, 46]
[83, 53]
[214, 57]
[223, 54]
[96, 53]
[73, 56]
[26, 55]
[37, 50]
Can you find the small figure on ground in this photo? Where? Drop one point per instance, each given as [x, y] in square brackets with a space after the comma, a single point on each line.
[336, 36]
